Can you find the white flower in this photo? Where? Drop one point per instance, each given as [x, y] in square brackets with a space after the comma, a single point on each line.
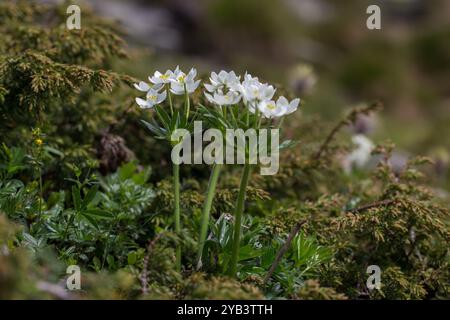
[153, 98]
[230, 98]
[160, 79]
[182, 83]
[288, 107]
[270, 109]
[142, 86]
[254, 92]
[222, 88]
[223, 80]
[282, 107]
[361, 155]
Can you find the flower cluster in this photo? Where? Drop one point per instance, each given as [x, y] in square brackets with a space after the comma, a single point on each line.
[177, 82]
[224, 89]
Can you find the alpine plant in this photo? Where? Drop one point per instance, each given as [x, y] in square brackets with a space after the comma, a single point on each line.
[233, 102]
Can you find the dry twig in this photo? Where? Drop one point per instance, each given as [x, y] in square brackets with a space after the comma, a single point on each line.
[283, 249]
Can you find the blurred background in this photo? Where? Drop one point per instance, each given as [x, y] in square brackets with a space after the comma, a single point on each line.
[319, 49]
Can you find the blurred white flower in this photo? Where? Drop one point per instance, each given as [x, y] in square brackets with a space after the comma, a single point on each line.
[361, 155]
[303, 79]
[182, 83]
[153, 98]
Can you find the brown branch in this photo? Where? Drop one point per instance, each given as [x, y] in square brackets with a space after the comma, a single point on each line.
[373, 205]
[349, 119]
[283, 249]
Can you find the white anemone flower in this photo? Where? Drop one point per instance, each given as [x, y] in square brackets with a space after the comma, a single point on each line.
[288, 107]
[254, 92]
[222, 88]
[222, 80]
[230, 98]
[142, 86]
[153, 98]
[159, 79]
[182, 83]
[270, 109]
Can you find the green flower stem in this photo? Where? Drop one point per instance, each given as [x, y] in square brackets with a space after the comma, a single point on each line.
[176, 213]
[239, 209]
[187, 104]
[215, 173]
[169, 96]
[280, 123]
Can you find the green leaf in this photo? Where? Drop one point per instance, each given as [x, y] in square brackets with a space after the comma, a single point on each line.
[91, 220]
[98, 214]
[90, 196]
[110, 260]
[132, 258]
[127, 170]
[76, 197]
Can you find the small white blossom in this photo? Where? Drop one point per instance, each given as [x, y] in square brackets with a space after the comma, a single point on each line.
[282, 107]
[182, 83]
[270, 109]
[159, 80]
[254, 92]
[288, 107]
[153, 98]
[230, 98]
[222, 88]
[222, 81]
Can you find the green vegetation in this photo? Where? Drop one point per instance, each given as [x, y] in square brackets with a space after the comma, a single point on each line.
[83, 181]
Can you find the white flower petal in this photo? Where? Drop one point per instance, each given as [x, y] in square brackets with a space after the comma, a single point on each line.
[142, 86]
[142, 103]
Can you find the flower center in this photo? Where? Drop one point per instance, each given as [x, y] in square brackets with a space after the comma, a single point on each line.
[182, 78]
[271, 107]
[164, 77]
[152, 97]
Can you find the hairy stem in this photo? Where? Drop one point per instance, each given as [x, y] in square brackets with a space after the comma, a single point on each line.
[206, 211]
[176, 213]
[239, 209]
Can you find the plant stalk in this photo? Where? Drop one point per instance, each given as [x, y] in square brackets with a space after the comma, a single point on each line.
[176, 213]
[206, 211]
[239, 209]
